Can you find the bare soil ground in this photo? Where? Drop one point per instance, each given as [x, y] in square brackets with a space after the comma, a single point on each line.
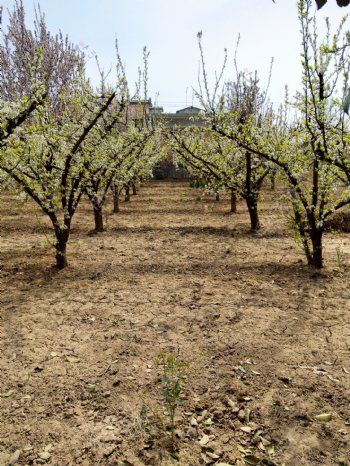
[266, 338]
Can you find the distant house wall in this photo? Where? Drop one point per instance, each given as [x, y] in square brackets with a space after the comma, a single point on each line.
[139, 111]
[183, 118]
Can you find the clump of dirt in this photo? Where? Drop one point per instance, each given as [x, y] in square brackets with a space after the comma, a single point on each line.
[265, 338]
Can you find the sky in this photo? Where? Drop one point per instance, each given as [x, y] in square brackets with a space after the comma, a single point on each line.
[168, 28]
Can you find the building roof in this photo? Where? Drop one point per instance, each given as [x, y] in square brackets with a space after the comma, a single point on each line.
[189, 110]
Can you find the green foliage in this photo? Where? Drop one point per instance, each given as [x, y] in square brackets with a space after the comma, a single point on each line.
[210, 153]
[312, 150]
[307, 138]
[75, 140]
[174, 370]
[340, 256]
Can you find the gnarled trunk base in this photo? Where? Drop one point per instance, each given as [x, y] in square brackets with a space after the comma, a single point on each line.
[316, 257]
[252, 205]
[98, 217]
[61, 254]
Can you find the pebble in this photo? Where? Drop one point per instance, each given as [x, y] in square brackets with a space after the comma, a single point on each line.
[192, 432]
[225, 438]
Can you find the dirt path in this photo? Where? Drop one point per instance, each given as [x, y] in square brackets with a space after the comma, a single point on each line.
[266, 338]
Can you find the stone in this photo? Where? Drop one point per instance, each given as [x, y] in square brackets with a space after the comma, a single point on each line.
[192, 432]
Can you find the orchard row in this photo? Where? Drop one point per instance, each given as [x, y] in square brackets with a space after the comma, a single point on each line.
[61, 139]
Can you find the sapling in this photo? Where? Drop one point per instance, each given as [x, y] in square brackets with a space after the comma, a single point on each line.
[173, 376]
[340, 256]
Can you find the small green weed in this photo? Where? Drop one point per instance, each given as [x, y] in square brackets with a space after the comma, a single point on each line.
[99, 399]
[340, 256]
[173, 375]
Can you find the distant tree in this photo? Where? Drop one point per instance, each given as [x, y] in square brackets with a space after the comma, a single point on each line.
[241, 103]
[116, 159]
[121, 149]
[221, 164]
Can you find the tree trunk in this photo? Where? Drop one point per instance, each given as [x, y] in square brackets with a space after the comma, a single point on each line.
[252, 204]
[233, 202]
[217, 196]
[134, 190]
[98, 215]
[251, 195]
[317, 250]
[127, 193]
[61, 248]
[116, 208]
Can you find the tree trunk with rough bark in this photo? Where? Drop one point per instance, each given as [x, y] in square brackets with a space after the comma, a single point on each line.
[62, 236]
[233, 202]
[316, 258]
[116, 207]
[127, 193]
[98, 217]
[252, 204]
